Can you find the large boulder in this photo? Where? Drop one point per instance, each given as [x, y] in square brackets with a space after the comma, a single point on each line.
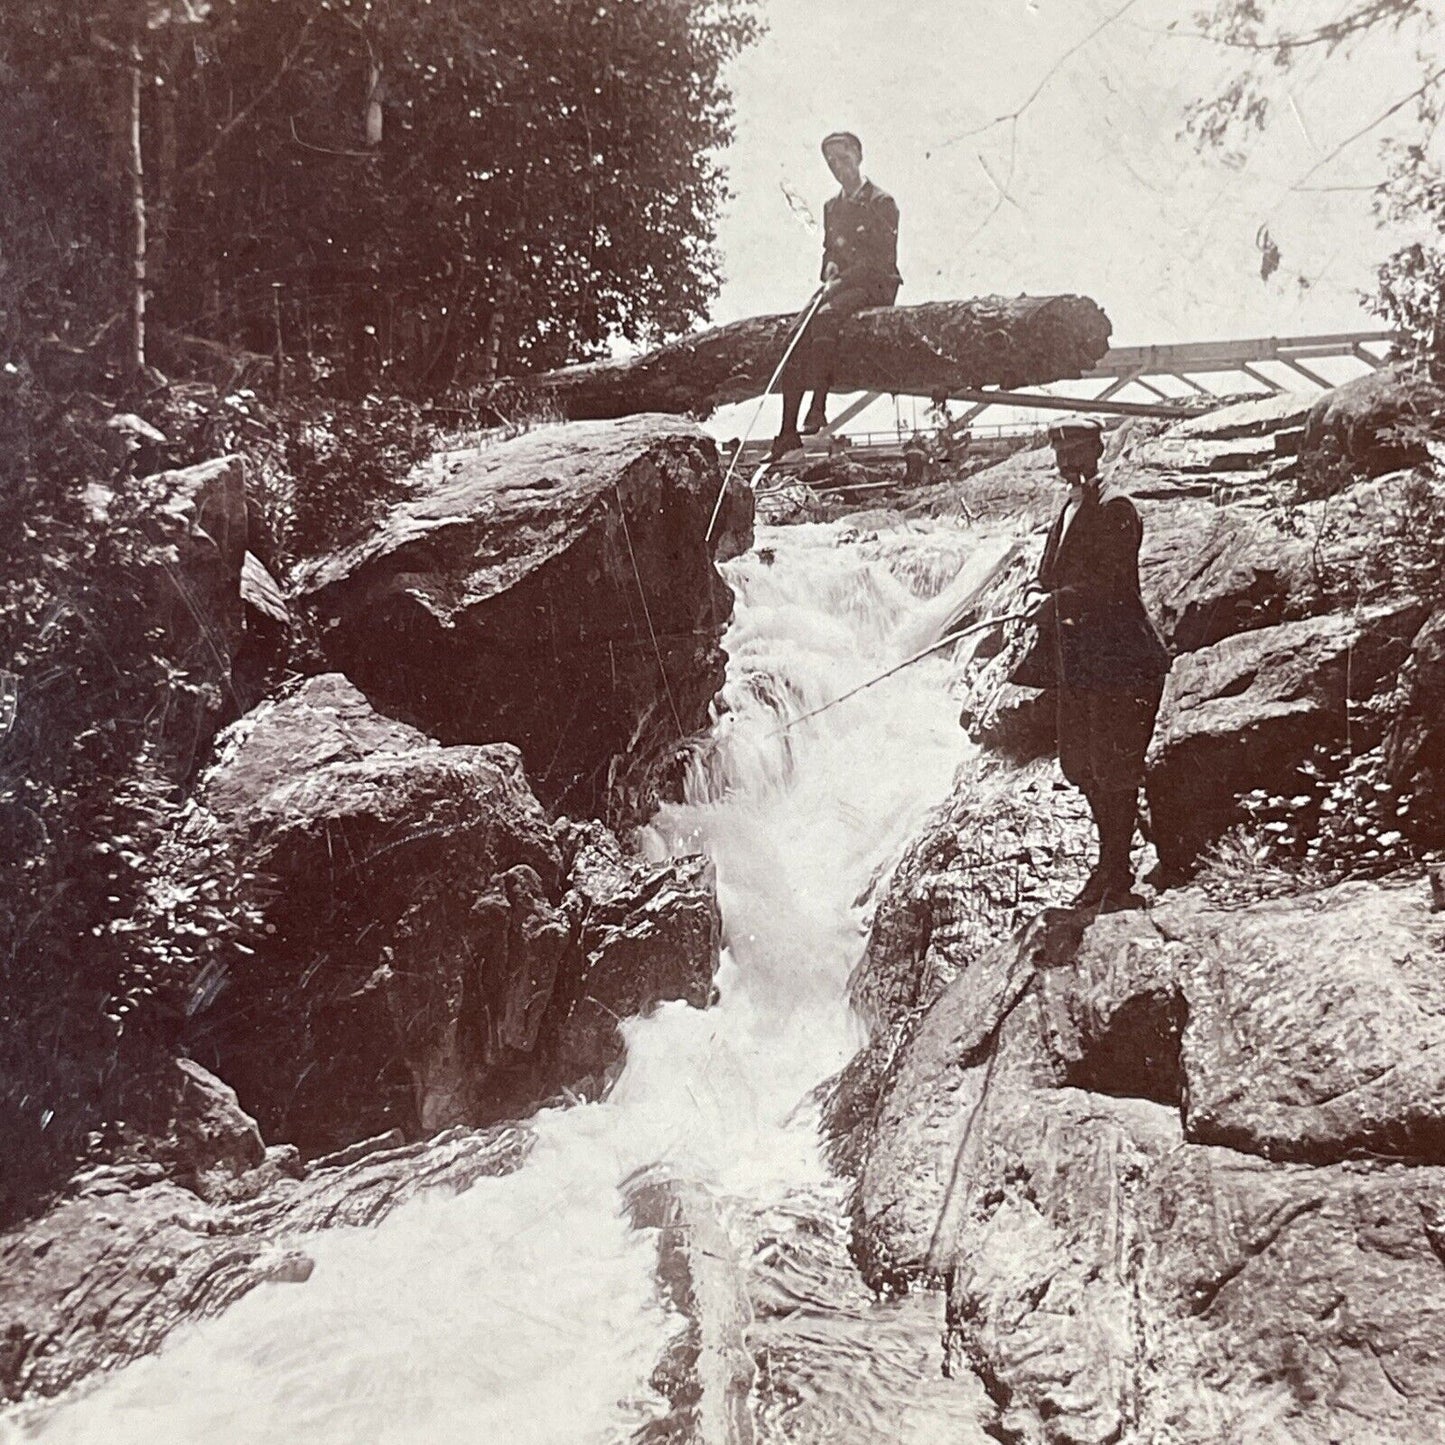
[1373, 424]
[1006, 844]
[1110, 1284]
[424, 959]
[556, 591]
[1244, 713]
[1051, 1144]
[1315, 1029]
[1209, 571]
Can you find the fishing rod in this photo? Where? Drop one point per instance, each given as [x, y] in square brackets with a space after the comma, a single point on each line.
[797, 336]
[907, 662]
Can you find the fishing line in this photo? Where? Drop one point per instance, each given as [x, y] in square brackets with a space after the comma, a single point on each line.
[762, 401]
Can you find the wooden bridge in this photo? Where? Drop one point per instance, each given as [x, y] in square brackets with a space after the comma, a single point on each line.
[1185, 363]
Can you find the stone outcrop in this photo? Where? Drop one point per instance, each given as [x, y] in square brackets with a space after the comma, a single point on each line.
[1051, 1145]
[1363, 427]
[1178, 1170]
[427, 958]
[208, 1144]
[1006, 844]
[641, 935]
[1209, 571]
[554, 591]
[1415, 748]
[129, 1255]
[1280, 413]
[1244, 713]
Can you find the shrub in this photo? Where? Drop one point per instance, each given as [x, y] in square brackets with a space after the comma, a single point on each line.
[94, 962]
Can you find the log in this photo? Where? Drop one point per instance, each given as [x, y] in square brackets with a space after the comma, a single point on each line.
[935, 348]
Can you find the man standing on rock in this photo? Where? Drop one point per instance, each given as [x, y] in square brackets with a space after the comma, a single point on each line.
[860, 269]
[1099, 649]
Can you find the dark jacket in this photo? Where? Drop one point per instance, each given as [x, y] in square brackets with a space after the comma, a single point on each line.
[1095, 634]
[860, 234]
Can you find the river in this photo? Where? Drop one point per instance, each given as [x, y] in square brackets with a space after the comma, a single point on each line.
[526, 1311]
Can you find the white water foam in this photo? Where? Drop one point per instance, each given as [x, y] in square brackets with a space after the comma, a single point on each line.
[525, 1311]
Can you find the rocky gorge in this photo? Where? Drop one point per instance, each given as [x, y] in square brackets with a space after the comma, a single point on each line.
[427, 949]
[1175, 1171]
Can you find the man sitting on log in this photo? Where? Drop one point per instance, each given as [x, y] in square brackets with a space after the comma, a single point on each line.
[1097, 646]
[860, 269]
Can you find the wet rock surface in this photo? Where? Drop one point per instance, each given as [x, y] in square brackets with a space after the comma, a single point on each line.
[707, 1374]
[554, 592]
[641, 934]
[1051, 1146]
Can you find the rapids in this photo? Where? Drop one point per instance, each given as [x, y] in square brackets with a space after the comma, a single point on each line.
[526, 1310]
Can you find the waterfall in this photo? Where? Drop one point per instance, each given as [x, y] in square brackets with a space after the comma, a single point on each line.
[527, 1308]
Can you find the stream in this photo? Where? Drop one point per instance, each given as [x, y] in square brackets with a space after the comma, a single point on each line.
[526, 1311]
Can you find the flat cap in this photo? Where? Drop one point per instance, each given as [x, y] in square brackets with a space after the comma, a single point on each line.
[1074, 425]
[842, 137]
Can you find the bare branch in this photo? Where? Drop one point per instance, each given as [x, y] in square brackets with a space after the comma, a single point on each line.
[326, 150]
[1334, 33]
[1399, 105]
[1013, 115]
[245, 111]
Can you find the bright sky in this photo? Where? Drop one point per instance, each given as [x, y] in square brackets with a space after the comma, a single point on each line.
[1089, 190]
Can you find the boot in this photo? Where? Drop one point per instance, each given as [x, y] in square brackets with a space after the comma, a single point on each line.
[783, 444]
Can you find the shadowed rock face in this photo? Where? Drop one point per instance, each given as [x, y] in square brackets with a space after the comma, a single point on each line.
[197, 521]
[1051, 1144]
[555, 592]
[433, 955]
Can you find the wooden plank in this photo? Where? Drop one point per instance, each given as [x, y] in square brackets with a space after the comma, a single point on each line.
[1043, 402]
[1268, 382]
[1306, 372]
[849, 412]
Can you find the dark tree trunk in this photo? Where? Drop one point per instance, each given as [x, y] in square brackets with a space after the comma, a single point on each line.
[935, 348]
[136, 340]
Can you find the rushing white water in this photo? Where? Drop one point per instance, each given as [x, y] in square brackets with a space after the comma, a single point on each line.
[526, 1309]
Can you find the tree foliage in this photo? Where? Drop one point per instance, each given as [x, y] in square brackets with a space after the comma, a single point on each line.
[406, 192]
[1411, 190]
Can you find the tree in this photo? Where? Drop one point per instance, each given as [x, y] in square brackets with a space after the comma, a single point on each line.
[1411, 189]
[411, 192]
